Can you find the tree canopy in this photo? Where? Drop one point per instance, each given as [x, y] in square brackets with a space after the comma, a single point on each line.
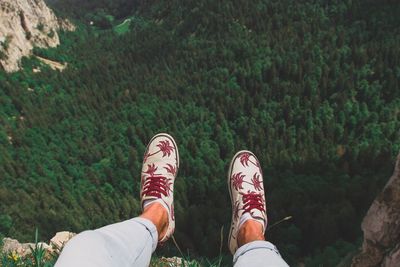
[311, 87]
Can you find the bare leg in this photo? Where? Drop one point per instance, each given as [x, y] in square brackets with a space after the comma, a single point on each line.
[157, 214]
[250, 231]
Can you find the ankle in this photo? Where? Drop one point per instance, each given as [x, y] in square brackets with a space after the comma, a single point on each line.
[250, 231]
[158, 215]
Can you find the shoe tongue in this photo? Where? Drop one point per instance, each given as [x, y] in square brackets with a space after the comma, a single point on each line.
[151, 200]
[147, 199]
[260, 217]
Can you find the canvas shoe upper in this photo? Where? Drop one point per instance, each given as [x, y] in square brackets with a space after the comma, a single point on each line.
[160, 167]
[245, 183]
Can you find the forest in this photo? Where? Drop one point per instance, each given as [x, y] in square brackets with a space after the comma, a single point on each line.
[310, 86]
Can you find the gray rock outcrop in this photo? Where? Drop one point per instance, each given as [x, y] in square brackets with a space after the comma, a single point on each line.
[60, 239]
[23, 25]
[21, 249]
[381, 227]
[24, 249]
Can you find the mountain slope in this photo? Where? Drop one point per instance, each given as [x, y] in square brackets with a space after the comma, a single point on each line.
[23, 25]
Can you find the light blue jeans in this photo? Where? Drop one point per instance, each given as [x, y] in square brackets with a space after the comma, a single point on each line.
[131, 243]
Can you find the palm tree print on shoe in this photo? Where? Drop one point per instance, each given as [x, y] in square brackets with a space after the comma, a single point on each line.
[245, 183]
[160, 167]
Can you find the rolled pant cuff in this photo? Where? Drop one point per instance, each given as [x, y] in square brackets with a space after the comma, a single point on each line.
[254, 245]
[149, 225]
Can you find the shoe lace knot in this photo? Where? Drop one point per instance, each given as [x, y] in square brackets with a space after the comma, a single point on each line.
[156, 185]
[252, 201]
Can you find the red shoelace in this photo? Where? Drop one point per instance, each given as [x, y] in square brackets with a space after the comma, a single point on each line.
[252, 201]
[155, 186]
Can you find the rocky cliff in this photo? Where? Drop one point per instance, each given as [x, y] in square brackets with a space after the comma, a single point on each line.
[23, 25]
[381, 227]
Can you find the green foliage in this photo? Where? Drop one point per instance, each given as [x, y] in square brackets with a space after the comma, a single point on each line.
[51, 34]
[38, 252]
[312, 87]
[40, 27]
[100, 19]
[4, 45]
[11, 260]
[5, 223]
[123, 27]
[3, 55]
[80, 8]
[37, 258]
[331, 255]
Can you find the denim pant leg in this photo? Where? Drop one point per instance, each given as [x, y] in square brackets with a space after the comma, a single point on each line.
[124, 244]
[258, 254]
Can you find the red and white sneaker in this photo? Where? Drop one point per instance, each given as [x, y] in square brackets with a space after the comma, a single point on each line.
[245, 183]
[160, 167]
